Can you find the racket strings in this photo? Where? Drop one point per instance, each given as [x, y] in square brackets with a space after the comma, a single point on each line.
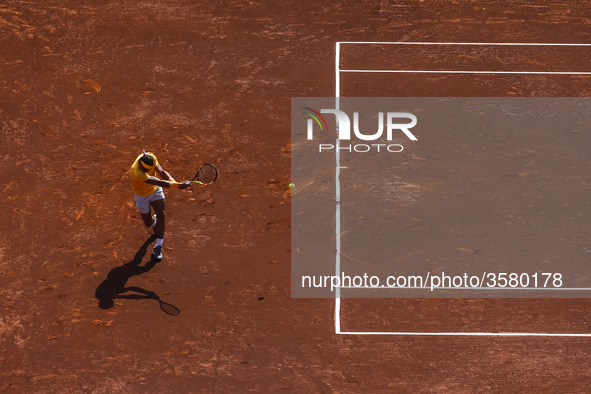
[207, 174]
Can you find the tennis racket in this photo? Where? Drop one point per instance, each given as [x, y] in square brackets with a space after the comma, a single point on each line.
[206, 174]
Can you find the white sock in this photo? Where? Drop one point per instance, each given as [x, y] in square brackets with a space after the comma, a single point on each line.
[154, 224]
[159, 241]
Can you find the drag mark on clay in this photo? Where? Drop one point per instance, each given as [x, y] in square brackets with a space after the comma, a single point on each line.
[274, 222]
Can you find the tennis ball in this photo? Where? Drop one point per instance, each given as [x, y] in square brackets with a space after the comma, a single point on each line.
[291, 185]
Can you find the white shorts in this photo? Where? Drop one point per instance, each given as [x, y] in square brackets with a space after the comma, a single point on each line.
[143, 203]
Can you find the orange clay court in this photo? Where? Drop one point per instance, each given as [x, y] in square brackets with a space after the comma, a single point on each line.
[87, 85]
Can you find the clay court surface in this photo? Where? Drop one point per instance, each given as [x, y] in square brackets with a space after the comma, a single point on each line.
[86, 85]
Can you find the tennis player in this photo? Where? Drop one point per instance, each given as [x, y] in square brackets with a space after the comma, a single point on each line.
[147, 188]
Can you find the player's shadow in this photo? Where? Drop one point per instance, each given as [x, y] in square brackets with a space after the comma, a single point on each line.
[114, 285]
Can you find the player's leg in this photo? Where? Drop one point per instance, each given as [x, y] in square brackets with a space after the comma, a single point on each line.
[148, 219]
[143, 205]
[159, 207]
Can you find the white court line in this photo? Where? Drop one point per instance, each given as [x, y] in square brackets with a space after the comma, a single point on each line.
[337, 313]
[472, 334]
[469, 72]
[467, 288]
[462, 43]
[337, 294]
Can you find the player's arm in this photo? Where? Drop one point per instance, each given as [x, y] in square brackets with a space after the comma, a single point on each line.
[163, 173]
[161, 182]
[169, 183]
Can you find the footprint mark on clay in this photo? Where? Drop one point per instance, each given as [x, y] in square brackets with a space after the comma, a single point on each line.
[204, 271]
